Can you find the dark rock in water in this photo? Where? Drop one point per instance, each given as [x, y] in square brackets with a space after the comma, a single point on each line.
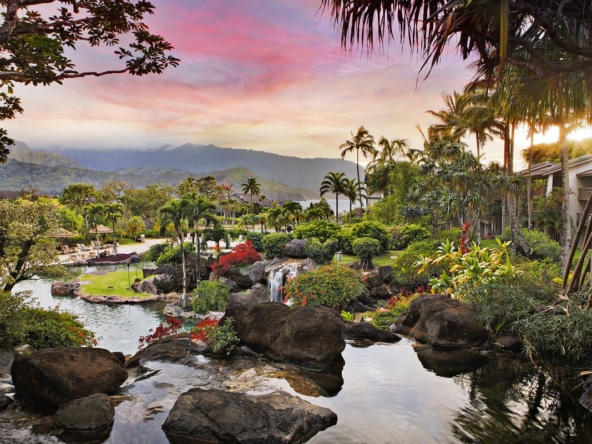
[367, 331]
[309, 336]
[176, 349]
[586, 398]
[45, 378]
[256, 295]
[296, 249]
[442, 323]
[172, 310]
[59, 288]
[164, 283]
[120, 357]
[386, 273]
[216, 416]
[5, 401]
[449, 363]
[506, 342]
[89, 413]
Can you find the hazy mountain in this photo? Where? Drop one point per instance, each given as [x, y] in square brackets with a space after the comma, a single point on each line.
[292, 171]
[21, 152]
[53, 179]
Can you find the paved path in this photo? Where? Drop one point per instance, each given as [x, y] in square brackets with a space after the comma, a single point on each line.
[125, 249]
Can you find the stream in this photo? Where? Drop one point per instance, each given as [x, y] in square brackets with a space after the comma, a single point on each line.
[387, 397]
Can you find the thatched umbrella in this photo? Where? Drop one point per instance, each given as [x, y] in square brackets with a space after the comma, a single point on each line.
[101, 229]
[62, 233]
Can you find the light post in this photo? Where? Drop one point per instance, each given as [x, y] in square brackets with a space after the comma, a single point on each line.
[129, 285]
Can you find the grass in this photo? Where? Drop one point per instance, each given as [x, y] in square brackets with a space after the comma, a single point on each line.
[110, 284]
[379, 261]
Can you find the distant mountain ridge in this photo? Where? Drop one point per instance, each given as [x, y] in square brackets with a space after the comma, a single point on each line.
[22, 153]
[16, 175]
[293, 171]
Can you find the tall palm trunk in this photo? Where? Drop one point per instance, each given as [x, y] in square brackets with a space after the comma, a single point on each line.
[529, 181]
[184, 297]
[337, 208]
[358, 171]
[565, 220]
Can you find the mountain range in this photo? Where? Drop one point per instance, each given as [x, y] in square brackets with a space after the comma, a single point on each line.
[281, 177]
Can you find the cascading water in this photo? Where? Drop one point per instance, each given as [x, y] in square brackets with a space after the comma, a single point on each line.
[277, 278]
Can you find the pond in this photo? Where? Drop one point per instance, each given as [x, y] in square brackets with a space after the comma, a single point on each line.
[387, 397]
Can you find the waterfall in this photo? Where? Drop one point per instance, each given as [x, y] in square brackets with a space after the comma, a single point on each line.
[277, 279]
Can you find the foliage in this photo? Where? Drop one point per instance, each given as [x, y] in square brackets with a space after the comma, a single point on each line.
[156, 250]
[542, 245]
[242, 254]
[23, 323]
[162, 331]
[256, 239]
[404, 271]
[453, 234]
[210, 296]
[235, 233]
[470, 269]
[404, 235]
[26, 250]
[217, 234]
[347, 316]
[320, 253]
[321, 229]
[218, 336]
[274, 244]
[328, 285]
[366, 248]
[173, 256]
[384, 317]
[71, 220]
[77, 195]
[374, 230]
[345, 239]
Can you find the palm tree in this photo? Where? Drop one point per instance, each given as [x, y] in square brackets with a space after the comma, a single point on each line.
[113, 212]
[334, 183]
[175, 213]
[197, 207]
[135, 225]
[251, 186]
[92, 213]
[361, 141]
[390, 149]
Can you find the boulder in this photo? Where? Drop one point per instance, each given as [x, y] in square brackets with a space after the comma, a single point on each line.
[386, 273]
[256, 295]
[9, 355]
[360, 307]
[172, 310]
[507, 342]
[48, 378]
[134, 258]
[178, 349]
[296, 249]
[245, 278]
[368, 332]
[164, 283]
[382, 292]
[228, 282]
[5, 401]
[442, 323]
[310, 336]
[59, 288]
[146, 286]
[372, 279]
[586, 398]
[90, 413]
[449, 363]
[149, 271]
[217, 416]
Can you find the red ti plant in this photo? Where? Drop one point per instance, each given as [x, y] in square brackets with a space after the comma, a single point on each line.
[464, 239]
[160, 332]
[242, 254]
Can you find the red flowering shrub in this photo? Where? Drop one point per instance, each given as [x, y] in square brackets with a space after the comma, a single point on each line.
[219, 337]
[160, 332]
[464, 239]
[242, 254]
[204, 330]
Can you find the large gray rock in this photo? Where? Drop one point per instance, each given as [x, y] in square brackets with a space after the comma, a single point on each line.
[164, 283]
[146, 286]
[386, 273]
[372, 279]
[59, 288]
[586, 398]
[296, 249]
[90, 413]
[7, 356]
[48, 378]
[228, 282]
[245, 278]
[442, 323]
[256, 295]
[5, 401]
[309, 336]
[217, 416]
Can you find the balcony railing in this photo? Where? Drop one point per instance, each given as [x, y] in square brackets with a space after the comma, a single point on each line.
[584, 193]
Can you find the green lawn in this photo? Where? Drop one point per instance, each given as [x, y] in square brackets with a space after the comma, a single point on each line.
[110, 284]
[383, 259]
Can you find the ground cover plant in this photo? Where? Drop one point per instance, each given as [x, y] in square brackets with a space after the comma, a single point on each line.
[220, 336]
[328, 285]
[23, 322]
[210, 296]
[384, 317]
[115, 283]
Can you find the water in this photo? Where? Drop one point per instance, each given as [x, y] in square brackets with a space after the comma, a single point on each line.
[387, 396]
[277, 278]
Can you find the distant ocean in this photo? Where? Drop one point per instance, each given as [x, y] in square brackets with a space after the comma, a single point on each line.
[343, 204]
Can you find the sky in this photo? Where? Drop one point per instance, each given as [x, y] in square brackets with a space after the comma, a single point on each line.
[254, 74]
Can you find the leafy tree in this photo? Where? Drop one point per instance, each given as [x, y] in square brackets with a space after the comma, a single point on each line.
[78, 195]
[93, 214]
[334, 183]
[146, 202]
[34, 44]
[198, 208]
[26, 250]
[361, 141]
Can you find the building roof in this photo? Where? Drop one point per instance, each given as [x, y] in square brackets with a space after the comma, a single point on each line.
[548, 168]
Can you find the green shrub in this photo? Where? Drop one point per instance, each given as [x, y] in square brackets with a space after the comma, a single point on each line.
[224, 337]
[374, 230]
[407, 234]
[395, 307]
[542, 245]
[257, 240]
[236, 232]
[366, 248]
[174, 256]
[23, 323]
[328, 285]
[321, 229]
[156, 250]
[345, 238]
[151, 233]
[405, 273]
[210, 296]
[320, 253]
[274, 244]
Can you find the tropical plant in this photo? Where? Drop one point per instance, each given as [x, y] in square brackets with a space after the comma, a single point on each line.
[220, 336]
[199, 209]
[113, 212]
[172, 327]
[361, 141]
[210, 296]
[334, 183]
[242, 254]
[347, 316]
[406, 234]
[328, 285]
[252, 187]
